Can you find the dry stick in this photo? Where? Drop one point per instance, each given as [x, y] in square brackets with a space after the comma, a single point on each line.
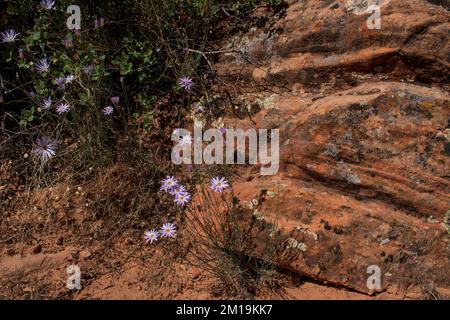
[203, 54]
[7, 239]
[171, 55]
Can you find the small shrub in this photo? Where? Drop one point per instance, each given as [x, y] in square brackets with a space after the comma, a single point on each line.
[241, 251]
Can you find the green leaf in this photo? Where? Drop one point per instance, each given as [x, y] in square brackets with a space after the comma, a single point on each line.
[32, 38]
[36, 35]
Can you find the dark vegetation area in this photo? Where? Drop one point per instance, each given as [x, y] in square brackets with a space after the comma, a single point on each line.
[128, 56]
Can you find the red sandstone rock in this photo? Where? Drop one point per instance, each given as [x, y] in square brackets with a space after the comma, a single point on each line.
[317, 40]
[365, 163]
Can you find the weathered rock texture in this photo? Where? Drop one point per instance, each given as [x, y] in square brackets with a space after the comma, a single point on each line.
[365, 164]
[319, 40]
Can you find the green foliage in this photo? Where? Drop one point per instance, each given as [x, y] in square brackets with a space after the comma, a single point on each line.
[26, 116]
[148, 113]
[142, 57]
[123, 64]
[139, 54]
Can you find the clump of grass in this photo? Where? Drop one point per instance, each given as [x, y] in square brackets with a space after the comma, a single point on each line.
[241, 251]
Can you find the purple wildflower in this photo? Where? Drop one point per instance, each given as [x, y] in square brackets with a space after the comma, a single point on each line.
[223, 131]
[46, 103]
[63, 108]
[61, 82]
[45, 148]
[87, 69]
[70, 78]
[42, 65]
[32, 94]
[77, 31]
[99, 22]
[178, 190]
[151, 236]
[186, 140]
[182, 198]
[48, 4]
[219, 184]
[115, 100]
[8, 36]
[168, 230]
[169, 183]
[20, 50]
[186, 83]
[108, 110]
